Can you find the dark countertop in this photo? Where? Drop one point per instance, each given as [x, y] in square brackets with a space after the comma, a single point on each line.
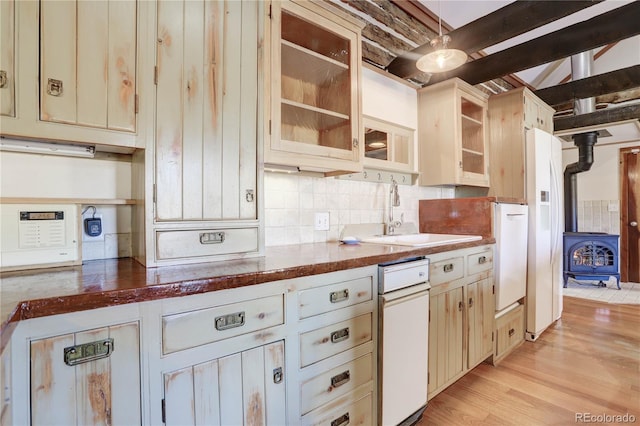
[102, 283]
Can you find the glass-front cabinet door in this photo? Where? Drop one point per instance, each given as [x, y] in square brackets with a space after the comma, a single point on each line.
[388, 146]
[315, 112]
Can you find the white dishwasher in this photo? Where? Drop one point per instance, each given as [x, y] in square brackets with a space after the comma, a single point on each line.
[403, 289]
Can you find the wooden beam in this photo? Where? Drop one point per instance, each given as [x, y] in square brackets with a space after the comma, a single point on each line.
[604, 116]
[608, 27]
[601, 84]
[514, 19]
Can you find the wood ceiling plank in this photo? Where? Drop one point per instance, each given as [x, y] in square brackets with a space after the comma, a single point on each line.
[601, 84]
[604, 116]
[615, 25]
[514, 19]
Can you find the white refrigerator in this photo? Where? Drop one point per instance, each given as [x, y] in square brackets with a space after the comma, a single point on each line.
[545, 200]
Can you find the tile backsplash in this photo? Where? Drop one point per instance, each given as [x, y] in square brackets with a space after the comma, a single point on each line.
[599, 216]
[291, 202]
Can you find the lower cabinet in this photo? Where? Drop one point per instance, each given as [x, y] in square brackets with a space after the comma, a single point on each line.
[296, 351]
[509, 331]
[461, 314]
[242, 388]
[87, 377]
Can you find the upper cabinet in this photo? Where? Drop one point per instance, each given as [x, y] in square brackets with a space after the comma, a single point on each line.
[315, 120]
[83, 56]
[88, 63]
[388, 146]
[511, 114]
[452, 135]
[199, 175]
[7, 57]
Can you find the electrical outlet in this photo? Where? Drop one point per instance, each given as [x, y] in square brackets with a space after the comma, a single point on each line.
[612, 207]
[322, 221]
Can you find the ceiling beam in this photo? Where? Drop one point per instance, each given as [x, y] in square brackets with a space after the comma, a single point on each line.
[604, 116]
[601, 84]
[514, 19]
[615, 25]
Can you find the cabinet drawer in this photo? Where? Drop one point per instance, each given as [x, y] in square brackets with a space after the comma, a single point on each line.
[510, 330]
[205, 242]
[335, 338]
[352, 413]
[480, 261]
[446, 270]
[335, 296]
[335, 382]
[190, 329]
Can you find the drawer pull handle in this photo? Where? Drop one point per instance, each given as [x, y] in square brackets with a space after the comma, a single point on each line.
[341, 421]
[470, 302]
[340, 335]
[448, 267]
[212, 238]
[340, 379]
[511, 332]
[339, 296]
[482, 259]
[277, 375]
[226, 322]
[54, 87]
[86, 352]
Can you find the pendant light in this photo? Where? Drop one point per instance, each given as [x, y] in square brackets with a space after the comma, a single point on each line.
[441, 59]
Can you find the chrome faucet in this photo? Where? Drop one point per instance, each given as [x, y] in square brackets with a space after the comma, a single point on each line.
[394, 201]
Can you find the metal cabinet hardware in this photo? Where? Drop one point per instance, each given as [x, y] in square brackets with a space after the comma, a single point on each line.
[340, 379]
[54, 87]
[355, 142]
[226, 322]
[339, 296]
[3, 79]
[460, 306]
[340, 335]
[249, 196]
[86, 352]
[277, 375]
[633, 223]
[511, 332]
[470, 302]
[482, 259]
[448, 267]
[341, 421]
[212, 238]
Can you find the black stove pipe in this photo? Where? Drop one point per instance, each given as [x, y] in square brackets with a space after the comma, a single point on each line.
[584, 142]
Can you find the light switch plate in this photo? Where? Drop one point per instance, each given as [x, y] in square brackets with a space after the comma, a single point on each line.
[322, 221]
[612, 207]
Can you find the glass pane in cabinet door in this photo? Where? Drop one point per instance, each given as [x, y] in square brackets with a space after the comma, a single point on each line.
[472, 137]
[316, 84]
[376, 144]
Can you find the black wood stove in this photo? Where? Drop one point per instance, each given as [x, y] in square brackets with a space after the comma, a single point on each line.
[591, 256]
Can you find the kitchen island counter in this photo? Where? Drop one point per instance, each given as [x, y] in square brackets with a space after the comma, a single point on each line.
[103, 283]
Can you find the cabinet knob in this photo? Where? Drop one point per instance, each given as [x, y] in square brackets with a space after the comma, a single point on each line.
[3, 79]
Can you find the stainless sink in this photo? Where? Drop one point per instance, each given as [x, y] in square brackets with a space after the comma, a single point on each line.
[421, 240]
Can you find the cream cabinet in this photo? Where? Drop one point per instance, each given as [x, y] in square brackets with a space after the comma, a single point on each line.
[336, 349]
[200, 182]
[453, 135]
[83, 58]
[509, 331]
[461, 314]
[388, 146]
[315, 118]
[87, 377]
[511, 114]
[5, 386]
[7, 57]
[242, 388]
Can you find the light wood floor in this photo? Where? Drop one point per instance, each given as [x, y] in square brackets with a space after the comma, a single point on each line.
[587, 362]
